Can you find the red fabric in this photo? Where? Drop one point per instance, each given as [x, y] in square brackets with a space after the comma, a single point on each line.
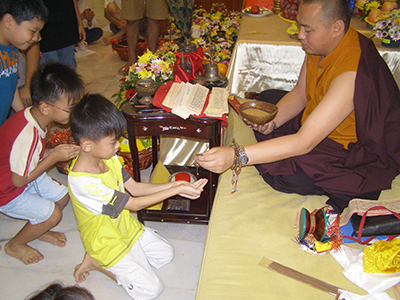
[262, 3]
[162, 92]
[195, 58]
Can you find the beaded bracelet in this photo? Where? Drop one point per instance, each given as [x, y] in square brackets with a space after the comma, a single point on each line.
[236, 166]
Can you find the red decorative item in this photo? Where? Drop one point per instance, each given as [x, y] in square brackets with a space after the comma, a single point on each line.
[195, 58]
[56, 138]
[182, 176]
[145, 159]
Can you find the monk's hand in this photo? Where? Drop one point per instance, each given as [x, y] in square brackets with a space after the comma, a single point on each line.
[265, 129]
[217, 159]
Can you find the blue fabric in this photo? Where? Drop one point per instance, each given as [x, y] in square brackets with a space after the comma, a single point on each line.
[8, 79]
[64, 55]
[352, 4]
[36, 203]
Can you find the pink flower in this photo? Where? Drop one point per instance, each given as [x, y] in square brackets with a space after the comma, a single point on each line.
[155, 69]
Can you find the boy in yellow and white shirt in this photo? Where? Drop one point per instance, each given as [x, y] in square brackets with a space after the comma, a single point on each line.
[116, 243]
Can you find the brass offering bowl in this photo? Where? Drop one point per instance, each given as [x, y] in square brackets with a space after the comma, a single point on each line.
[146, 88]
[258, 112]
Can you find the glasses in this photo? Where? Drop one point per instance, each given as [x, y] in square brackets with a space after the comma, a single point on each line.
[314, 223]
[63, 109]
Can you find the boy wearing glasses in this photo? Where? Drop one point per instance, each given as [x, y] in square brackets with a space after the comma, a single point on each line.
[26, 191]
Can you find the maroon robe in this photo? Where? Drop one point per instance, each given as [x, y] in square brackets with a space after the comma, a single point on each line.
[370, 164]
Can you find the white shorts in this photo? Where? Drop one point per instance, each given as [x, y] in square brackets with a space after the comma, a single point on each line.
[134, 271]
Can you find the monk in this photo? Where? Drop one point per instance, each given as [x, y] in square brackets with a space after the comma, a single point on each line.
[337, 133]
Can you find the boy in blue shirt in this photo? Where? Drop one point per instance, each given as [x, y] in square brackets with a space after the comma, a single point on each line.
[20, 23]
[103, 194]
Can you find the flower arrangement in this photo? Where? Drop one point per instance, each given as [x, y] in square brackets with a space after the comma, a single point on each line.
[149, 65]
[389, 29]
[159, 66]
[167, 51]
[219, 27]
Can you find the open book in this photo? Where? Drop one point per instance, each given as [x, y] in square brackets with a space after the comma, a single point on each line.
[187, 99]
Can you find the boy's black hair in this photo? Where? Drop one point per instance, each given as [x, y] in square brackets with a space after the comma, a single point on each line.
[58, 292]
[54, 79]
[95, 117]
[24, 10]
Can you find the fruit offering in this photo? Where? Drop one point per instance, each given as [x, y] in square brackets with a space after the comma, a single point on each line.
[255, 9]
[222, 68]
[374, 15]
[388, 6]
[289, 9]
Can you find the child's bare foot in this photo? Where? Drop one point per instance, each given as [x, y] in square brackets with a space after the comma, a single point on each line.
[53, 237]
[82, 270]
[80, 275]
[122, 71]
[24, 253]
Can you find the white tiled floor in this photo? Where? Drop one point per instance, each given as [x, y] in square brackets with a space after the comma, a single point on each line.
[180, 277]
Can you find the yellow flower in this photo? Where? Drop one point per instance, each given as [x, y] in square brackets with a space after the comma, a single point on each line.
[144, 74]
[372, 5]
[216, 16]
[164, 66]
[146, 57]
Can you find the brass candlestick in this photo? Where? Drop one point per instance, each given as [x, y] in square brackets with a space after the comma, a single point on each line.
[211, 73]
[277, 6]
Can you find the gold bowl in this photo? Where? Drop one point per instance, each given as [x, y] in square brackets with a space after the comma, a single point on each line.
[145, 88]
[258, 112]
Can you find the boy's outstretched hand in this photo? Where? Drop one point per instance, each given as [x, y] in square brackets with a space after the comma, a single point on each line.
[191, 190]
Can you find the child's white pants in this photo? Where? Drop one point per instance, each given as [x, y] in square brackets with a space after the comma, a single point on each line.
[134, 271]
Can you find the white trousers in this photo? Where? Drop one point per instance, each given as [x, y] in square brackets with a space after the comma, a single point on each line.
[134, 271]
